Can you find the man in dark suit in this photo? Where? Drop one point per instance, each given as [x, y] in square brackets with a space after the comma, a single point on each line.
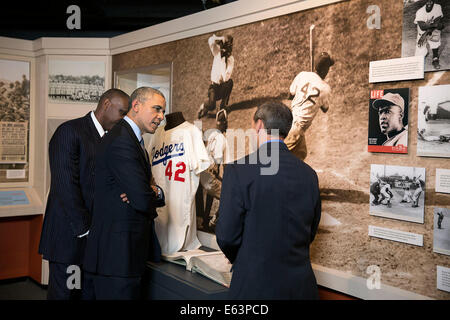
[70, 200]
[269, 213]
[122, 236]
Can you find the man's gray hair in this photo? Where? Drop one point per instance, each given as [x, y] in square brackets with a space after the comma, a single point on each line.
[143, 93]
[276, 116]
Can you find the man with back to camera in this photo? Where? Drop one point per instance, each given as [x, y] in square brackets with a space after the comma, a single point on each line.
[70, 201]
[390, 115]
[221, 83]
[429, 25]
[122, 236]
[267, 221]
[311, 93]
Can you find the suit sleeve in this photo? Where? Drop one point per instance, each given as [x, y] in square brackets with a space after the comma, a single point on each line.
[129, 172]
[64, 158]
[317, 213]
[230, 224]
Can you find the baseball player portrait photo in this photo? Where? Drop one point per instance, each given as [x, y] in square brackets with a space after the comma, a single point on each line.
[397, 192]
[425, 32]
[388, 120]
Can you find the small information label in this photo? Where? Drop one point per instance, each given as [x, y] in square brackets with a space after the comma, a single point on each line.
[443, 278]
[443, 180]
[408, 68]
[13, 198]
[15, 174]
[396, 235]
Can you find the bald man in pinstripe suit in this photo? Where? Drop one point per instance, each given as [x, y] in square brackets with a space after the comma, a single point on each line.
[69, 205]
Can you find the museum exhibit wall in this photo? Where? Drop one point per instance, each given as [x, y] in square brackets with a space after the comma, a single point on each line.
[20, 225]
[270, 47]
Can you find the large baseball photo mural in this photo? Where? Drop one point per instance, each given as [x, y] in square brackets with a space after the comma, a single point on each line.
[271, 59]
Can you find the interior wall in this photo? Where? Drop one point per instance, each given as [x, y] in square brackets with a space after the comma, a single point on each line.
[268, 56]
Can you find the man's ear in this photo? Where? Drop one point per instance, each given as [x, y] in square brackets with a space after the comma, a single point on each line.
[106, 104]
[259, 124]
[135, 105]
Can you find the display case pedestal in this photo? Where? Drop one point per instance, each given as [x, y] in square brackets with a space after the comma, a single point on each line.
[168, 281]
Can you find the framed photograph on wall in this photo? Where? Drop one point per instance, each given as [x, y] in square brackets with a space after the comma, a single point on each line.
[397, 192]
[423, 32]
[388, 120]
[75, 81]
[14, 120]
[433, 121]
[441, 231]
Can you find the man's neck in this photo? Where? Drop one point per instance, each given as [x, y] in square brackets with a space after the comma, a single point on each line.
[137, 130]
[394, 133]
[262, 139]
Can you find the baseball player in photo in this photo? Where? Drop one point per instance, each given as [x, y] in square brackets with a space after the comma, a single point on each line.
[417, 192]
[375, 191]
[440, 218]
[429, 25]
[211, 179]
[311, 93]
[391, 110]
[407, 195]
[222, 68]
[386, 194]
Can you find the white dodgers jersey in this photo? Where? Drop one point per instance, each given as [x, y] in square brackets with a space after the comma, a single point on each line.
[177, 157]
[311, 92]
[423, 15]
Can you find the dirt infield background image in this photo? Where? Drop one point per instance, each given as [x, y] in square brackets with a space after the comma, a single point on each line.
[268, 55]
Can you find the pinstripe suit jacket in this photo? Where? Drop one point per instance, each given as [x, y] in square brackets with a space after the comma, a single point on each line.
[70, 201]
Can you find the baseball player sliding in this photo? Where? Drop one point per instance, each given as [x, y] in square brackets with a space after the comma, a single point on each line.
[311, 93]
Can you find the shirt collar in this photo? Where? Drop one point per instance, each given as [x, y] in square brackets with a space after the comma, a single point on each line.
[273, 140]
[135, 128]
[97, 125]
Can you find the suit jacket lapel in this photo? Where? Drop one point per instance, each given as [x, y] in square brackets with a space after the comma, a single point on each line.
[92, 128]
[138, 145]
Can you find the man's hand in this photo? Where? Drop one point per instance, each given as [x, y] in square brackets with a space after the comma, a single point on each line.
[124, 198]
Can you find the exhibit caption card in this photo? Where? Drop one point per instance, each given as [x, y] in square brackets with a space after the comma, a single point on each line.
[443, 180]
[396, 235]
[443, 278]
[399, 69]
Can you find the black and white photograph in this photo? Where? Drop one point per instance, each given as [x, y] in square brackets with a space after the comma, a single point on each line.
[14, 90]
[397, 192]
[433, 121]
[388, 120]
[441, 231]
[14, 117]
[75, 81]
[426, 32]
